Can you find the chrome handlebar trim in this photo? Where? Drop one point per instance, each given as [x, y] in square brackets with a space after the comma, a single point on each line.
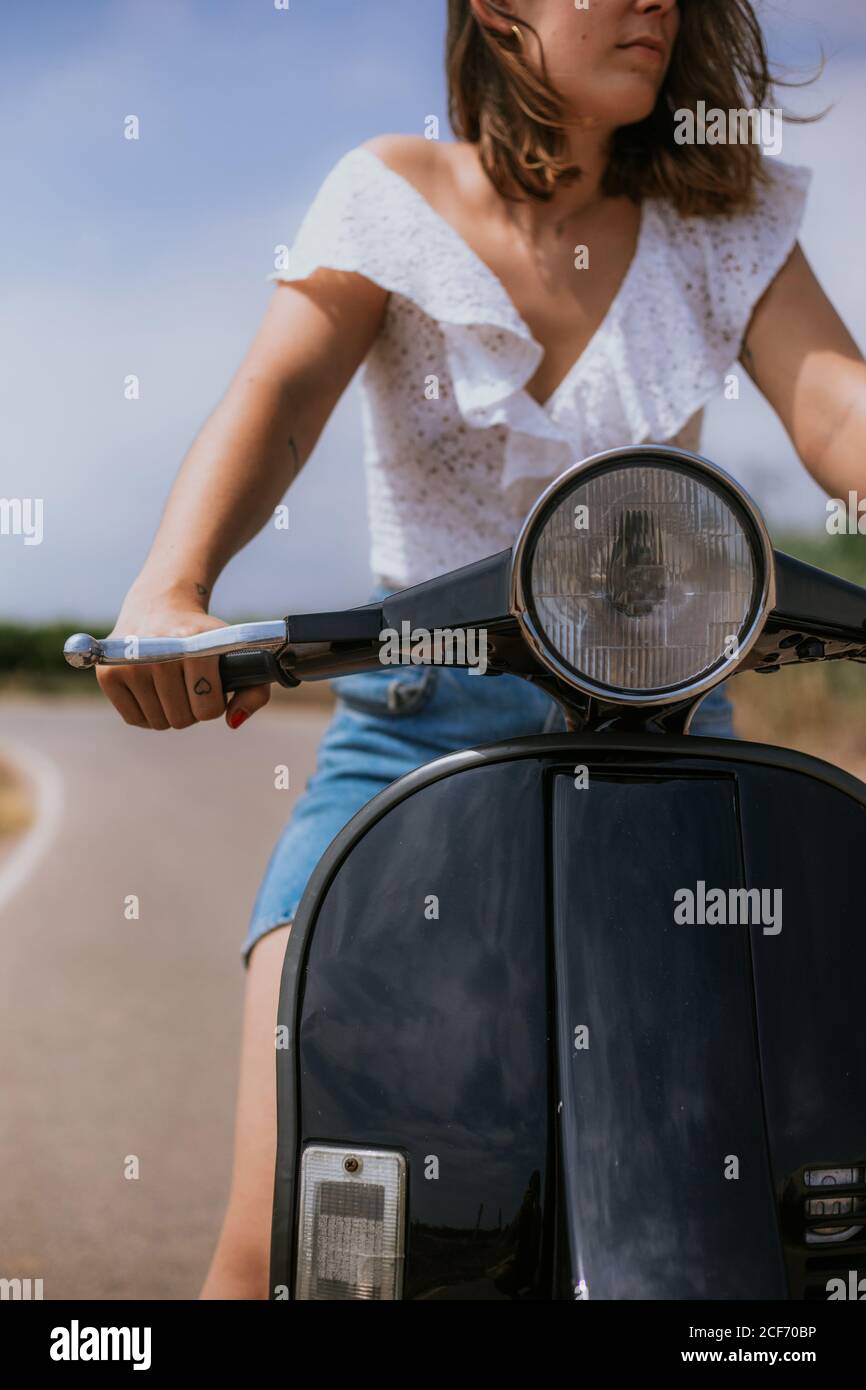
[82, 650]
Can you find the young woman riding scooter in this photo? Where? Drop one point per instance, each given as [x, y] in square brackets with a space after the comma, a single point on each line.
[563, 279]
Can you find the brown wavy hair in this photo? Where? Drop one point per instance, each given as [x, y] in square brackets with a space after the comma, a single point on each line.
[517, 119]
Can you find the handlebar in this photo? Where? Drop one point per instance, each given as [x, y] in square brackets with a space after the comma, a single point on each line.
[247, 652]
[84, 650]
[240, 670]
[816, 617]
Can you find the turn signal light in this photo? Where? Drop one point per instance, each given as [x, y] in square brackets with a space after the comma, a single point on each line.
[352, 1223]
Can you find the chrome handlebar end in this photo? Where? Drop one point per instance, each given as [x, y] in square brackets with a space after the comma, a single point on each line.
[82, 650]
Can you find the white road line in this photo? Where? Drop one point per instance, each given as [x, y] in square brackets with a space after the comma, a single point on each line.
[44, 779]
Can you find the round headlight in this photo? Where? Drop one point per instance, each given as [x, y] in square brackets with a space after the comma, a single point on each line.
[643, 575]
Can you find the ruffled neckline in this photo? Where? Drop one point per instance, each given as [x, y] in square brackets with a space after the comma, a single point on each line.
[504, 313]
[542, 439]
[671, 331]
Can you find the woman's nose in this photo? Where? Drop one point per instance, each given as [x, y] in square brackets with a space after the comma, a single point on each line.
[660, 7]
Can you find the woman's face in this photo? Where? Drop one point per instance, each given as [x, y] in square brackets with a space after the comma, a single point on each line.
[594, 56]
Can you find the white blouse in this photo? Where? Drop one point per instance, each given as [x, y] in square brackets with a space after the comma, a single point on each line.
[455, 447]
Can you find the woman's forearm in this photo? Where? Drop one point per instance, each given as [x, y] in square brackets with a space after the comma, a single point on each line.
[311, 342]
[232, 478]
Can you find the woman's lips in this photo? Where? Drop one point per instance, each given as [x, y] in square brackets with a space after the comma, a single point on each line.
[651, 51]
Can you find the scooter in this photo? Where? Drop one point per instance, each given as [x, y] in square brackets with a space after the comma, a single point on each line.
[577, 1016]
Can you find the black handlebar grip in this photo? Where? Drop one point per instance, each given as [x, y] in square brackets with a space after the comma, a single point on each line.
[240, 670]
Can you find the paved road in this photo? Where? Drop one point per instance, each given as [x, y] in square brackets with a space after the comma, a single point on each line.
[120, 1037]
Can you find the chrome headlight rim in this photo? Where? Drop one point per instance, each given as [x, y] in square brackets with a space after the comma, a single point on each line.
[678, 460]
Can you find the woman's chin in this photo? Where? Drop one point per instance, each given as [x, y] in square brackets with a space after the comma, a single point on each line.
[628, 106]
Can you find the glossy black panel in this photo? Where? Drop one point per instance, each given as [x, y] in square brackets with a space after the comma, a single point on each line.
[429, 1033]
[807, 596]
[477, 593]
[668, 1090]
[810, 840]
[683, 1070]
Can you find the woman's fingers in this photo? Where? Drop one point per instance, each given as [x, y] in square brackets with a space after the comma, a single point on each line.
[203, 688]
[170, 687]
[140, 683]
[176, 694]
[113, 685]
[245, 703]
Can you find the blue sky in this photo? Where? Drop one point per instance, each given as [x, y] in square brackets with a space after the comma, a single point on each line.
[151, 257]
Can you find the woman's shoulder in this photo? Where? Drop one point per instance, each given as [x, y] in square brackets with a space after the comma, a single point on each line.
[377, 204]
[405, 154]
[371, 182]
[413, 156]
[435, 168]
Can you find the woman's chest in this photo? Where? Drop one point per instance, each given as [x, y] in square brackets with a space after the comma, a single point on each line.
[562, 282]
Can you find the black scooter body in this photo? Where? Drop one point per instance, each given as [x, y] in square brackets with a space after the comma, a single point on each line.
[594, 1101]
[493, 984]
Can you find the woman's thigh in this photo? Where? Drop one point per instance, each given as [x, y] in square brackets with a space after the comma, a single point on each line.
[388, 722]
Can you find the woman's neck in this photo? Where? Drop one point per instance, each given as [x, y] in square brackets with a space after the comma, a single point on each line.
[588, 149]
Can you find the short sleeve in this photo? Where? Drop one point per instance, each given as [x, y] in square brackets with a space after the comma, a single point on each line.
[338, 228]
[726, 263]
[368, 219]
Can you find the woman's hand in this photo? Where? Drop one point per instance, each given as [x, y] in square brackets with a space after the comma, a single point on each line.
[172, 694]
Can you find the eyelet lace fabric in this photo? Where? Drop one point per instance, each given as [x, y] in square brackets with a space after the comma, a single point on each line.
[454, 446]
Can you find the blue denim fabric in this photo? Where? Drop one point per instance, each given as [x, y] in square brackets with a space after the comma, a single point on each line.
[389, 722]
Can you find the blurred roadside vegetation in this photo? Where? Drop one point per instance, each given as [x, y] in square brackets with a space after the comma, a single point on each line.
[16, 810]
[819, 708]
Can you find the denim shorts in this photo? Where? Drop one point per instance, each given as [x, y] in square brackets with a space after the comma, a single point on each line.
[388, 722]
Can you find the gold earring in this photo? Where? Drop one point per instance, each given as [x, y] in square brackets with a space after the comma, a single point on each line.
[517, 34]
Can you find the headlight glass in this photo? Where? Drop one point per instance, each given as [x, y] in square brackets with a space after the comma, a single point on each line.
[642, 578]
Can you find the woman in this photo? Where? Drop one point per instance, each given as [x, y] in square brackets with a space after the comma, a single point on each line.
[564, 279]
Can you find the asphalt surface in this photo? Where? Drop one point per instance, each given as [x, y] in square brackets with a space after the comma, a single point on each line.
[119, 1037]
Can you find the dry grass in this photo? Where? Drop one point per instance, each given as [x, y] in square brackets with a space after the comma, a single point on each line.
[16, 811]
[815, 709]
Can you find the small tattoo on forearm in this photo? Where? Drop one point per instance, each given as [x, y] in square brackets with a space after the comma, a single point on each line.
[294, 448]
[201, 591]
[202, 686]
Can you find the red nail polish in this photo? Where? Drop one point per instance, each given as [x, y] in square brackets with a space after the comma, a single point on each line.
[237, 717]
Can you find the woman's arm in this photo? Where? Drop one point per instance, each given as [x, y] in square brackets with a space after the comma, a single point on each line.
[311, 341]
[803, 359]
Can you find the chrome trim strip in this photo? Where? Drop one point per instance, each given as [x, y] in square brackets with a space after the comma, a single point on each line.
[81, 650]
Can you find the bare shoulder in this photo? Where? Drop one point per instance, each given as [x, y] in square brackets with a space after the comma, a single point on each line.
[405, 154]
[431, 165]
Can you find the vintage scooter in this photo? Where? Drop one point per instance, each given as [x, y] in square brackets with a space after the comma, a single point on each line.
[579, 1015]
